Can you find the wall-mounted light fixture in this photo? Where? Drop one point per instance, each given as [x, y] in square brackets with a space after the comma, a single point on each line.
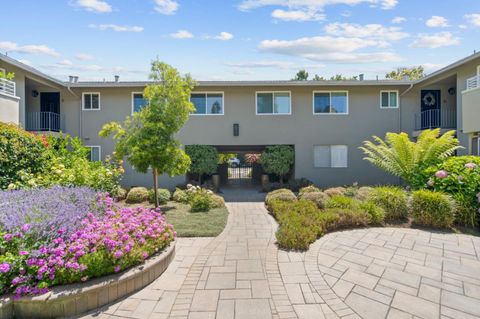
[236, 129]
[34, 93]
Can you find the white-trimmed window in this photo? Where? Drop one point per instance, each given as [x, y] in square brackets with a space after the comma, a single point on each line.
[91, 101]
[389, 99]
[138, 101]
[332, 156]
[273, 103]
[330, 102]
[95, 153]
[207, 103]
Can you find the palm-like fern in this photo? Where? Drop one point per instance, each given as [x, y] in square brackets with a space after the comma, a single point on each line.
[400, 156]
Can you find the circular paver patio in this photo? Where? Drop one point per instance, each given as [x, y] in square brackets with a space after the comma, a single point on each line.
[363, 273]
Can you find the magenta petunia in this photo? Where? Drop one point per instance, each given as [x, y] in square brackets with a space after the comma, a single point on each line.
[5, 267]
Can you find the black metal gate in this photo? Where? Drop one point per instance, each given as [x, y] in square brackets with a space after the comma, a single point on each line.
[240, 174]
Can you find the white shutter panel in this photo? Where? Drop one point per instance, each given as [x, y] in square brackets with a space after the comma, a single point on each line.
[321, 156]
[339, 155]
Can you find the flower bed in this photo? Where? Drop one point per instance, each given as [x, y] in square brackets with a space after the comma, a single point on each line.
[106, 239]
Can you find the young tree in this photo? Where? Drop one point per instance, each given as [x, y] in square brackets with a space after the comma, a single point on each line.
[413, 73]
[204, 159]
[147, 138]
[301, 75]
[278, 160]
[318, 78]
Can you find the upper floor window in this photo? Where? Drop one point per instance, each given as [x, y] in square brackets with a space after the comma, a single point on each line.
[273, 103]
[330, 102]
[210, 103]
[91, 101]
[333, 156]
[94, 153]
[138, 102]
[389, 99]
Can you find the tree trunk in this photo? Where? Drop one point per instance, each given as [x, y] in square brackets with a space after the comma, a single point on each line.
[200, 179]
[155, 186]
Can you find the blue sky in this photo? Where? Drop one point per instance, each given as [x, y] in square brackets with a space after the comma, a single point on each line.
[237, 39]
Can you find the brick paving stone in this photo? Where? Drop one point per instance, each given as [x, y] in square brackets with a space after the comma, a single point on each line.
[362, 273]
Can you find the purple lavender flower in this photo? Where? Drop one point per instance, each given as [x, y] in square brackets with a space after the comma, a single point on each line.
[7, 237]
[4, 267]
[25, 228]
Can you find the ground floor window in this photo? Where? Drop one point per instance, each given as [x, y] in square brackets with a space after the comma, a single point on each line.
[389, 99]
[335, 156]
[94, 153]
[476, 145]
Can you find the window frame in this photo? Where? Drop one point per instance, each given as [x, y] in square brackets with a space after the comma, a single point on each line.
[132, 100]
[206, 97]
[99, 101]
[389, 107]
[99, 152]
[330, 159]
[330, 92]
[273, 100]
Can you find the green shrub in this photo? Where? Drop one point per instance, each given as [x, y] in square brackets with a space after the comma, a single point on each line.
[180, 196]
[319, 198]
[20, 151]
[433, 209]
[204, 159]
[307, 189]
[348, 218]
[377, 214]
[217, 201]
[201, 202]
[121, 193]
[335, 191]
[280, 194]
[363, 192]
[162, 194]
[459, 176]
[137, 195]
[393, 200]
[278, 160]
[295, 235]
[342, 202]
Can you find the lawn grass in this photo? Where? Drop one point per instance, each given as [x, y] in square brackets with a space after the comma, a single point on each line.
[199, 224]
[188, 224]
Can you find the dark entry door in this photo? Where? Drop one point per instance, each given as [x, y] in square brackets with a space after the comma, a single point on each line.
[50, 111]
[431, 108]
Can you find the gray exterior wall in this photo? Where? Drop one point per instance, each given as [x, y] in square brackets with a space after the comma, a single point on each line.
[301, 128]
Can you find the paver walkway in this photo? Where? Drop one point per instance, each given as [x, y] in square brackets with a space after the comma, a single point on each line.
[364, 273]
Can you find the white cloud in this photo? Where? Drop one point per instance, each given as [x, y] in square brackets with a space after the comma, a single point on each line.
[372, 31]
[181, 34]
[65, 63]
[398, 20]
[27, 62]
[297, 15]
[262, 64]
[437, 22]
[313, 4]
[223, 36]
[28, 49]
[473, 19]
[94, 5]
[436, 40]
[431, 67]
[327, 48]
[84, 57]
[116, 28]
[167, 7]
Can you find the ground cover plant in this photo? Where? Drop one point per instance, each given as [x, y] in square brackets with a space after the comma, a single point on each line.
[83, 237]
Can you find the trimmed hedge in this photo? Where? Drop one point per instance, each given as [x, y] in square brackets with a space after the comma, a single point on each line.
[308, 189]
[180, 196]
[335, 191]
[217, 201]
[201, 202]
[393, 200]
[433, 209]
[319, 198]
[162, 194]
[280, 194]
[137, 195]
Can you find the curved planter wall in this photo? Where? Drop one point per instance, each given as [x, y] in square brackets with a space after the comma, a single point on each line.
[75, 299]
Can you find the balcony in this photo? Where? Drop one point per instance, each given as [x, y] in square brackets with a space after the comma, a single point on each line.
[7, 87]
[44, 122]
[473, 82]
[430, 119]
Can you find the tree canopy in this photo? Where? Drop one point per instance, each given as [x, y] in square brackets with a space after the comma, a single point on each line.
[204, 159]
[147, 138]
[413, 73]
[301, 75]
[278, 160]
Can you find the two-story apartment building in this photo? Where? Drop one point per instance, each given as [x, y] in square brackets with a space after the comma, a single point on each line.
[325, 121]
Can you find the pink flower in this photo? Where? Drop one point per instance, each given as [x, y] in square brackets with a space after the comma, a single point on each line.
[117, 268]
[471, 165]
[25, 228]
[23, 252]
[145, 255]
[118, 254]
[4, 267]
[441, 174]
[8, 237]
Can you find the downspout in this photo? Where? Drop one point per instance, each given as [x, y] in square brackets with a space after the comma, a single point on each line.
[400, 118]
[79, 115]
